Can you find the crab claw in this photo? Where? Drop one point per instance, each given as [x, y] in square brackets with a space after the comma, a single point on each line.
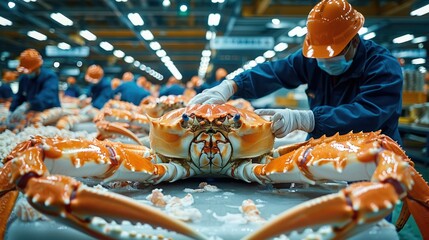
[358, 206]
[8, 196]
[76, 205]
[107, 128]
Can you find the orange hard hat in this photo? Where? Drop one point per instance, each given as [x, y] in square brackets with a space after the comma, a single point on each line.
[71, 80]
[221, 73]
[9, 76]
[29, 60]
[115, 83]
[127, 76]
[331, 25]
[141, 81]
[94, 72]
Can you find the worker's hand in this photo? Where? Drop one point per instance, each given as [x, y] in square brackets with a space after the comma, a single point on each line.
[19, 113]
[287, 120]
[215, 95]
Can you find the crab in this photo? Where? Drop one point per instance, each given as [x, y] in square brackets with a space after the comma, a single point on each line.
[219, 140]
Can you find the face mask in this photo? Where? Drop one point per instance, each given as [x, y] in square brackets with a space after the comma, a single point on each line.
[334, 66]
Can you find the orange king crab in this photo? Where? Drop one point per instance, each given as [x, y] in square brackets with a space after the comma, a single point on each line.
[217, 140]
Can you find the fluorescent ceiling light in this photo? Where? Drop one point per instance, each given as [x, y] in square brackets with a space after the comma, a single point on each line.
[166, 3]
[106, 46]
[88, 35]
[11, 4]
[5, 22]
[363, 30]
[155, 46]
[136, 19]
[275, 21]
[56, 64]
[269, 54]
[418, 61]
[218, 1]
[206, 53]
[294, 31]
[419, 39]
[404, 38]
[183, 8]
[118, 53]
[420, 11]
[214, 19]
[63, 20]
[369, 36]
[129, 59]
[36, 35]
[64, 46]
[136, 63]
[210, 35]
[121, 0]
[280, 47]
[147, 35]
[260, 59]
[165, 59]
[161, 53]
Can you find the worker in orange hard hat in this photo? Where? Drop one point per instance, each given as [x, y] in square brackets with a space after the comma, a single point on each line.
[115, 82]
[351, 82]
[127, 76]
[38, 87]
[100, 90]
[72, 89]
[6, 93]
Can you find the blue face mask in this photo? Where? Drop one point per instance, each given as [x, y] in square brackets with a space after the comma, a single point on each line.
[336, 65]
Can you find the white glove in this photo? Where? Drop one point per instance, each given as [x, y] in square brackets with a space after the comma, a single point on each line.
[19, 113]
[215, 95]
[287, 120]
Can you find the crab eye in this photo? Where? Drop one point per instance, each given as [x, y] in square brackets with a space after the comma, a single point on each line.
[236, 117]
[185, 120]
[236, 123]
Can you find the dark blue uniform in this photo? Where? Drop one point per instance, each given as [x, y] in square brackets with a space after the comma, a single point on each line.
[367, 97]
[100, 93]
[41, 92]
[5, 91]
[72, 91]
[173, 89]
[131, 92]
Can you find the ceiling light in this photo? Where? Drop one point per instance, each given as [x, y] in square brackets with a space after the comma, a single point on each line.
[29, 1]
[155, 46]
[121, 0]
[214, 19]
[129, 59]
[419, 39]
[260, 59]
[106, 46]
[301, 32]
[404, 38]
[118, 53]
[363, 30]
[36, 35]
[206, 53]
[280, 47]
[63, 20]
[161, 53]
[418, 61]
[165, 59]
[142, 67]
[369, 36]
[63, 45]
[11, 4]
[218, 1]
[420, 11]
[183, 8]
[166, 3]
[79, 63]
[88, 35]
[147, 35]
[56, 64]
[275, 21]
[294, 31]
[136, 19]
[136, 63]
[5, 22]
[210, 35]
[269, 54]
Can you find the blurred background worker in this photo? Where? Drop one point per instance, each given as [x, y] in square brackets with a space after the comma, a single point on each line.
[129, 91]
[100, 90]
[6, 93]
[72, 89]
[353, 84]
[127, 77]
[172, 87]
[38, 87]
[115, 83]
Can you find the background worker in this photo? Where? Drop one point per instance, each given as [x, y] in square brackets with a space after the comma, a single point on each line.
[38, 87]
[353, 84]
[6, 93]
[100, 90]
[129, 91]
[127, 77]
[72, 89]
[172, 87]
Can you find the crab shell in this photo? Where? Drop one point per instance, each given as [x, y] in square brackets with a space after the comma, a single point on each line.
[213, 130]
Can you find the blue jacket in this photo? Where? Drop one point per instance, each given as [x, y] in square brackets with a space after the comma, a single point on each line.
[41, 92]
[173, 89]
[131, 92]
[5, 91]
[100, 93]
[367, 97]
[72, 91]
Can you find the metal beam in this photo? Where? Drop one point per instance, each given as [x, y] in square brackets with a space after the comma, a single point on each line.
[261, 6]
